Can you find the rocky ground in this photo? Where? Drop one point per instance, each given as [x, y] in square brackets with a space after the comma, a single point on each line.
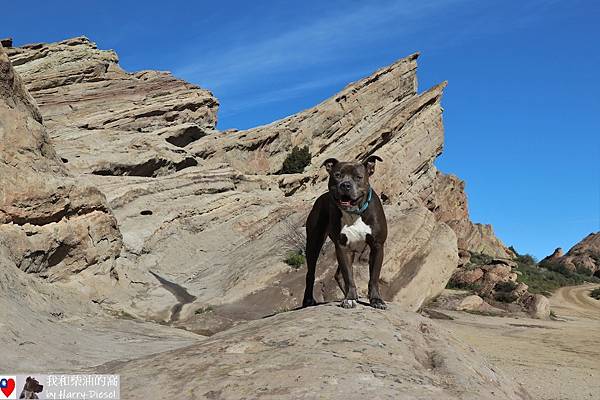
[324, 352]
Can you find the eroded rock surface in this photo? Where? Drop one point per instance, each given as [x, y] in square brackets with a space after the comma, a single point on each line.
[106, 121]
[321, 352]
[50, 222]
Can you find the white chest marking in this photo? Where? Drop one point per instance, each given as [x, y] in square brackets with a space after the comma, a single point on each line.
[354, 228]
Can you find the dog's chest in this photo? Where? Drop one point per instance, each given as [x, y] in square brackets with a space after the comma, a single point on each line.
[354, 228]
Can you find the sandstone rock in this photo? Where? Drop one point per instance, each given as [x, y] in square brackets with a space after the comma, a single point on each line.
[49, 223]
[6, 42]
[450, 206]
[558, 252]
[466, 277]
[537, 306]
[464, 257]
[521, 289]
[500, 270]
[470, 303]
[106, 121]
[505, 261]
[324, 351]
[583, 257]
[381, 113]
[54, 322]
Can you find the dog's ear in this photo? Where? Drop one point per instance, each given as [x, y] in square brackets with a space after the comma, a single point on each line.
[369, 164]
[329, 164]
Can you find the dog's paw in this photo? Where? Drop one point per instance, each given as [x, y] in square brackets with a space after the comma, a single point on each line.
[309, 302]
[378, 303]
[346, 303]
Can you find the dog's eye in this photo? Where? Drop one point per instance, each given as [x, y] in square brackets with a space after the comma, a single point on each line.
[360, 177]
[337, 175]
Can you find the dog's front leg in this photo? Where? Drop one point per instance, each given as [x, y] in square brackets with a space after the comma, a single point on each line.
[375, 262]
[345, 265]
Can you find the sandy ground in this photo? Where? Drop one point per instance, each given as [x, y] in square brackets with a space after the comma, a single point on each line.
[552, 359]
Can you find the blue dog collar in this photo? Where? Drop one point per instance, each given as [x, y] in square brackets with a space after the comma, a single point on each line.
[365, 205]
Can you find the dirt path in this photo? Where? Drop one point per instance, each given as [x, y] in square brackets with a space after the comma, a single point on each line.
[554, 360]
[576, 301]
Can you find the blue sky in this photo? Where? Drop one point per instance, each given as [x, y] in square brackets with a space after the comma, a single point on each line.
[522, 106]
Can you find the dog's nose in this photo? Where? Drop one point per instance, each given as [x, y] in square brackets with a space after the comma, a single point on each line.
[345, 186]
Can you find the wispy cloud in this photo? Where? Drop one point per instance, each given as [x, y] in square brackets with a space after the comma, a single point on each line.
[317, 42]
[289, 92]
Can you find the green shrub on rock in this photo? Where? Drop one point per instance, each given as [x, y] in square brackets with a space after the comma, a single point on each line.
[296, 160]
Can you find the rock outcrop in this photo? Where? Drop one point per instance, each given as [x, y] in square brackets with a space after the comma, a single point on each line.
[496, 282]
[321, 352]
[50, 223]
[584, 257]
[450, 206]
[106, 121]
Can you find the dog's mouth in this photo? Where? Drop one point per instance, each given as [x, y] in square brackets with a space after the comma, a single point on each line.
[347, 202]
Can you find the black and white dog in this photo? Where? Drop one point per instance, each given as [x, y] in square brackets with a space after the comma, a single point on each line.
[351, 215]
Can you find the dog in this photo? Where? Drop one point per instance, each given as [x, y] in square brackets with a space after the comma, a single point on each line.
[351, 214]
[32, 386]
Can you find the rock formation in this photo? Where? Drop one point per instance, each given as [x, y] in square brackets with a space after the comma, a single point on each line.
[195, 205]
[120, 198]
[450, 206]
[584, 257]
[55, 233]
[50, 223]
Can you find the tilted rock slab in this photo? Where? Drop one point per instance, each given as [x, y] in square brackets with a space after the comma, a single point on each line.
[96, 112]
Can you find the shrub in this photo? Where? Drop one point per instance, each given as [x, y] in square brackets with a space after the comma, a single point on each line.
[507, 286]
[581, 270]
[473, 287]
[292, 239]
[549, 277]
[526, 259]
[504, 291]
[595, 294]
[296, 160]
[505, 297]
[295, 260]
[480, 259]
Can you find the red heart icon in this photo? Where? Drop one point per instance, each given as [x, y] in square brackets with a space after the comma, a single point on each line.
[10, 386]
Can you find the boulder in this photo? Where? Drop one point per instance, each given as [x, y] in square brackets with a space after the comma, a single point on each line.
[466, 277]
[537, 305]
[470, 303]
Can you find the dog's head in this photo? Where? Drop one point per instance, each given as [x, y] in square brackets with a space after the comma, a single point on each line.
[349, 181]
[32, 385]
